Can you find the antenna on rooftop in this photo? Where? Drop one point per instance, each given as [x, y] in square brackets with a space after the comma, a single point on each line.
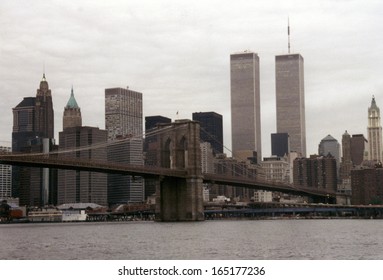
[288, 33]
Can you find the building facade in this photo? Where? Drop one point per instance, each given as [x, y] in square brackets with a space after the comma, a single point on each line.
[245, 106]
[359, 147]
[72, 113]
[211, 129]
[290, 100]
[124, 121]
[276, 169]
[5, 176]
[33, 131]
[316, 172]
[329, 145]
[123, 113]
[374, 131]
[280, 144]
[367, 186]
[76, 186]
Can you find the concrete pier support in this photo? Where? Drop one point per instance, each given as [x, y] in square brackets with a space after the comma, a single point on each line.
[180, 199]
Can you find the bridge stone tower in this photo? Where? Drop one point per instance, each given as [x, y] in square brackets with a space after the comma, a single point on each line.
[180, 199]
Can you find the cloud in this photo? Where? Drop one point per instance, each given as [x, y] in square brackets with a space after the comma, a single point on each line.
[177, 54]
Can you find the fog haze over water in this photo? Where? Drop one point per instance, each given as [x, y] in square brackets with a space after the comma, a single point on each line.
[210, 240]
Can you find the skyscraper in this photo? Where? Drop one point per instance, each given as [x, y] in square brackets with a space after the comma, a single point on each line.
[374, 130]
[76, 186]
[290, 100]
[280, 144]
[123, 121]
[211, 129]
[123, 113]
[33, 130]
[81, 186]
[329, 145]
[5, 176]
[245, 106]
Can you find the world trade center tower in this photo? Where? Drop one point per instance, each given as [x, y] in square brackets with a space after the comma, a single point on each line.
[290, 100]
[245, 106]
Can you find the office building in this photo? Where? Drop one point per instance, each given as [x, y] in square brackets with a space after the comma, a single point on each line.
[276, 169]
[33, 131]
[374, 130]
[317, 172]
[280, 144]
[152, 121]
[330, 146]
[76, 186]
[123, 122]
[123, 113]
[5, 176]
[211, 129]
[290, 100]
[358, 149]
[367, 185]
[245, 106]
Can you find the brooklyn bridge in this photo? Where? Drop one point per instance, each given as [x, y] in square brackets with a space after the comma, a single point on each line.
[178, 172]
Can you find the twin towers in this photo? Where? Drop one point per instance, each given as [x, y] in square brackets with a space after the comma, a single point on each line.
[246, 107]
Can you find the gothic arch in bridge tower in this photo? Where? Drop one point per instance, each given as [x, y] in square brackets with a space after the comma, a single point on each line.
[166, 160]
[182, 153]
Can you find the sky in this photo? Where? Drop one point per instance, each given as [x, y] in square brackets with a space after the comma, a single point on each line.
[177, 54]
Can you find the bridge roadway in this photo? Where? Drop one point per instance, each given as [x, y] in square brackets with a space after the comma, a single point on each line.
[156, 172]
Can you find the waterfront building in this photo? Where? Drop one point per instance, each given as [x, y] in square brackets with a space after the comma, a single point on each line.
[374, 130]
[263, 196]
[211, 129]
[367, 185]
[123, 120]
[5, 176]
[280, 144]
[290, 100]
[245, 106]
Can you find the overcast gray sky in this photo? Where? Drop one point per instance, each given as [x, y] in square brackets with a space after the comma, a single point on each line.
[177, 54]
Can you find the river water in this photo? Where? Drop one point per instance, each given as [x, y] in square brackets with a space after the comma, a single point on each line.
[210, 240]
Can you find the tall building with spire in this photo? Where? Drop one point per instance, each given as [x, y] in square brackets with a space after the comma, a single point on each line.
[72, 113]
[33, 131]
[245, 106]
[81, 186]
[44, 117]
[290, 98]
[374, 131]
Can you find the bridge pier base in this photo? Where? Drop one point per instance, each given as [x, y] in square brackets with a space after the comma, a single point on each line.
[180, 200]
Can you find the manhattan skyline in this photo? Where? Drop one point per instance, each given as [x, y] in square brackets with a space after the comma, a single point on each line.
[178, 55]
